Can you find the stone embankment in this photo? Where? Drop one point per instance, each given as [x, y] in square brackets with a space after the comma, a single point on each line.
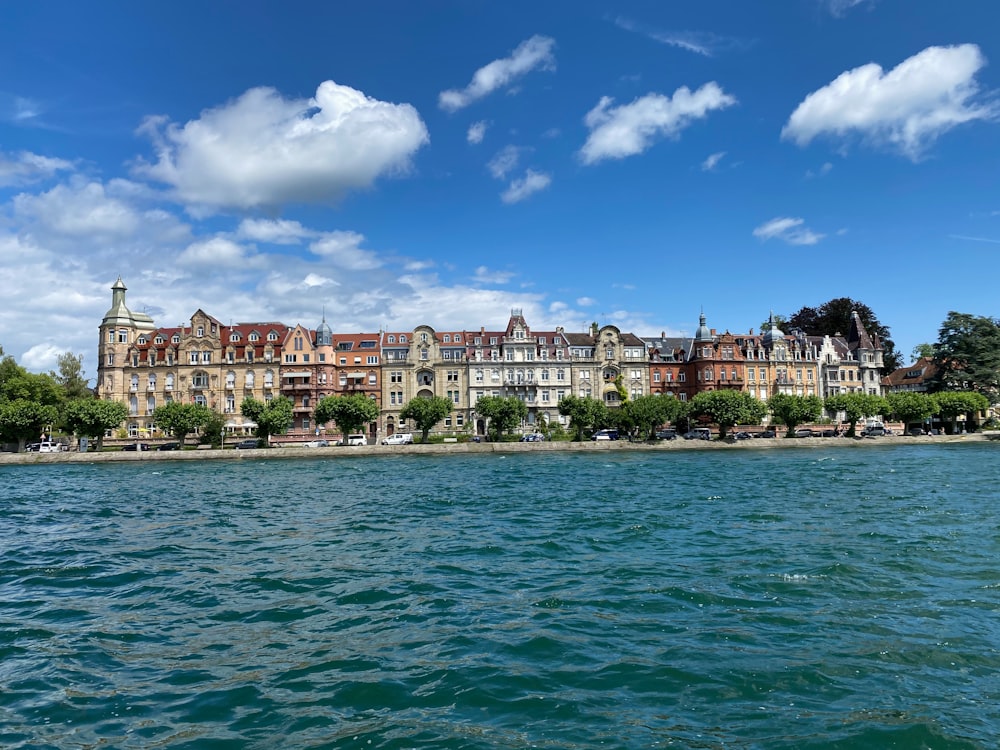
[465, 448]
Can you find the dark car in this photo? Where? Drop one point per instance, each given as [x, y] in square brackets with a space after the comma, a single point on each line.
[247, 444]
[804, 432]
[666, 434]
[136, 447]
[742, 436]
[169, 447]
[765, 434]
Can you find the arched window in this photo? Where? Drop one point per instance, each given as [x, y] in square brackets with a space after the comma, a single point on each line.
[249, 379]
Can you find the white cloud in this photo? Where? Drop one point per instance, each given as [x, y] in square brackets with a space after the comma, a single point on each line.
[520, 189]
[839, 8]
[629, 129]
[24, 168]
[344, 249]
[712, 161]
[484, 275]
[533, 53]
[264, 150]
[586, 302]
[81, 208]
[214, 253]
[906, 108]
[504, 162]
[821, 172]
[703, 43]
[277, 231]
[477, 131]
[788, 230]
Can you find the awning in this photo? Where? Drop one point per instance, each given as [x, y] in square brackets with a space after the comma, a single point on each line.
[356, 375]
[231, 423]
[304, 374]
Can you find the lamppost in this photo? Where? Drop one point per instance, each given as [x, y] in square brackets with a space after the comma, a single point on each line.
[222, 437]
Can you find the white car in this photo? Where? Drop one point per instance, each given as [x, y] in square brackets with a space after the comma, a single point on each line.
[356, 440]
[399, 438]
[317, 443]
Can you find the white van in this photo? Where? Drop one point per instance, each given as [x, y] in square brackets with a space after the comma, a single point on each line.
[357, 440]
[48, 447]
[398, 438]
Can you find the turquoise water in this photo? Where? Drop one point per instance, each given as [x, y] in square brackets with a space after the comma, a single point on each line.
[833, 598]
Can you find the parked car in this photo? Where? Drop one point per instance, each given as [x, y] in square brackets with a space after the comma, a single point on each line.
[247, 444]
[666, 434]
[874, 430]
[605, 435]
[46, 446]
[169, 447]
[804, 432]
[533, 437]
[398, 438]
[765, 434]
[356, 440]
[741, 435]
[320, 443]
[136, 447]
[698, 433]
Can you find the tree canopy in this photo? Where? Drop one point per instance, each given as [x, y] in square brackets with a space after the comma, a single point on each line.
[728, 408]
[645, 413]
[426, 412]
[91, 417]
[272, 417]
[792, 410]
[180, 420]
[857, 406]
[967, 355]
[22, 420]
[584, 412]
[503, 413]
[952, 404]
[834, 317]
[350, 413]
[912, 406]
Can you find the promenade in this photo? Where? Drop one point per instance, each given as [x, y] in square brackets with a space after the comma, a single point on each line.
[334, 452]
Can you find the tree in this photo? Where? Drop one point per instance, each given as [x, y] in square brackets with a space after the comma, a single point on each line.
[922, 350]
[212, 429]
[91, 417]
[951, 404]
[584, 413]
[912, 406]
[646, 413]
[792, 410]
[351, 413]
[967, 355]
[426, 412]
[70, 377]
[180, 420]
[503, 414]
[834, 317]
[22, 420]
[856, 406]
[272, 417]
[727, 408]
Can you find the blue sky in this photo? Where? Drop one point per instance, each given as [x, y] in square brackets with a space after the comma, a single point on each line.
[402, 163]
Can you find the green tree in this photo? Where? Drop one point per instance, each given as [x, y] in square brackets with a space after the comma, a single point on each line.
[503, 414]
[22, 420]
[70, 377]
[922, 350]
[91, 417]
[792, 410]
[952, 404]
[426, 412]
[645, 413]
[180, 420]
[272, 417]
[967, 355]
[834, 317]
[585, 413]
[728, 408]
[351, 413]
[212, 429]
[911, 406]
[856, 406]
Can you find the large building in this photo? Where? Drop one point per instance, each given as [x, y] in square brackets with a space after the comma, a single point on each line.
[207, 362]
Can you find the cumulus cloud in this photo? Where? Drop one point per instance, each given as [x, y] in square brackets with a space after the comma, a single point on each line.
[484, 275]
[533, 53]
[344, 249]
[586, 302]
[24, 168]
[214, 253]
[276, 232]
[629, 129]
[520, 189]
[839, 8]
[83, 208]
[263, 150]
[788, 230]
[712, 161]
[906, 108]
[504, 161]
[477, 131]
[821, 172]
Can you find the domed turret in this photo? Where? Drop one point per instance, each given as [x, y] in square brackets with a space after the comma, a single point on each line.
[703, 333]
[773, 333]
[324, 336]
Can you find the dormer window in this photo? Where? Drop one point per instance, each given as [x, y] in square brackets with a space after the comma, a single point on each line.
[402, 339]
[234, 336]
[158, 340]
[201, 331]
[254, 336]
[141, 340]
[272, 336]
[175, 339]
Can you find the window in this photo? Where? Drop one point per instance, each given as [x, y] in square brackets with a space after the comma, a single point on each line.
[636, 374]
[234, 336]
[169, 384]
[123, 336]
[111, 335]
[656, 376]
[395, 376]
[289, 358]
[249, 379]
[230, 403]
[493, 340]
[305, 357]
[110, 361]
[402, 339]
[254, 336]
[151, 382]
[560, 374]
[269, 379]
[201, 331]
[272, 336]
[453, 396]
[206, 357]
[447, 338]
[682, 396]
[609, 352]
[681, 378]
[452, 376]
[135, 383]
[200, 380]
[372, 359]
[175, 339]
[479, 376]
[545, 374]
[200, 399]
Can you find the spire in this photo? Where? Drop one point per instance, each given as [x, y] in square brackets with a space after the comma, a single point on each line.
[703, 333]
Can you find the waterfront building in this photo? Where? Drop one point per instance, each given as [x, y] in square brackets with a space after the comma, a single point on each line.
[716, 361]
[915, 377]
[668, 366]
[779, 363]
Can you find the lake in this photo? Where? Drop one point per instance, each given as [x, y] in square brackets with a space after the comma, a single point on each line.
[822, 598]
